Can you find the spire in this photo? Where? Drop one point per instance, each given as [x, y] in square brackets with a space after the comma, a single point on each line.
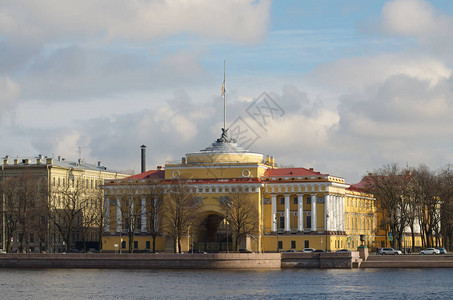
[224, 96]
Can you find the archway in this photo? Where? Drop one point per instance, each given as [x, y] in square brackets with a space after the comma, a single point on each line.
[211, 235]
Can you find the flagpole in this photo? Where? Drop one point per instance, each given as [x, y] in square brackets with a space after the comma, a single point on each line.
[224, 97]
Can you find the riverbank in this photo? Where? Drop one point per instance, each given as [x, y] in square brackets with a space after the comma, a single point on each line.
[346, 260]
[408, 261]
[144, 261]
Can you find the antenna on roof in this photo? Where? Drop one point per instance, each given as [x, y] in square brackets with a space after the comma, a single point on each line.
[79, 151]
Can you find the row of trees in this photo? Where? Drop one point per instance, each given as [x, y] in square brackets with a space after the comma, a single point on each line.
[37, 214]
[174, 210]
[415, 198]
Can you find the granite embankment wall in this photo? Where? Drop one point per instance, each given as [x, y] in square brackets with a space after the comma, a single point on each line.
[408, 261]
[144, 261]
[322, 260]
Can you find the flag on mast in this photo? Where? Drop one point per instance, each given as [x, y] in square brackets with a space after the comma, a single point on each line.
[223, 88]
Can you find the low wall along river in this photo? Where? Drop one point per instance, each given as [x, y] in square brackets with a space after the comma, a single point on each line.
[327, 260]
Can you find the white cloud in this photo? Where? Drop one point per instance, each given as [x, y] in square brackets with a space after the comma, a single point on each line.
[243, 21]
[9, 93]
[359, 72]
[419, 19]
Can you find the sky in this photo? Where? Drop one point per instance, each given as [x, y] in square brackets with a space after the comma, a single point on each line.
[343, 87]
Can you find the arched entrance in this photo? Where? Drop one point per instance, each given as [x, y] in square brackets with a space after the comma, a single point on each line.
[211, 235]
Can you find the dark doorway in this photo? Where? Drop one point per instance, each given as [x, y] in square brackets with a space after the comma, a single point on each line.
[211, 238]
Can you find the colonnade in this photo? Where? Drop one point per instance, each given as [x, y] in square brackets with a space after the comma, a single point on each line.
[119, 217]
[334, 213]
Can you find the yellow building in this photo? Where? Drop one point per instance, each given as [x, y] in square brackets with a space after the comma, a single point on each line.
[56, 175]
[297, 207]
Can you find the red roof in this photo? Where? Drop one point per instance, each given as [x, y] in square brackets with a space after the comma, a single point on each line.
[363, 185]
[287, 172]
[156, 174]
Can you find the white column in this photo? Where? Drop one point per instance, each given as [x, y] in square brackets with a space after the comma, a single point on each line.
[274, 213]
[343, 228]
[287, 218]
[335, 214]
[143, 216]
[339, 213]
[300, 212]
[332, 213]
[106, 213]
[118, 215]
[326, 212]
[314, 226]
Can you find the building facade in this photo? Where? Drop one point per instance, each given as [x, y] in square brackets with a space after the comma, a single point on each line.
[296, 208]
[68, 191]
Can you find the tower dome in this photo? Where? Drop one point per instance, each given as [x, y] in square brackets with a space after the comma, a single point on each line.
[224, 150]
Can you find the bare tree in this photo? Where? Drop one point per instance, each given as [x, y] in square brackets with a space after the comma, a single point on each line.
[67, 206]
[22, 196]
[242, 216]
[446, 205]
[180, 208]
[425, 189]
[154, 210]
[390, 186]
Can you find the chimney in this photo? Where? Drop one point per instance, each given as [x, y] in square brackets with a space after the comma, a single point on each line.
[143, 152]
[59, 157]
[311, 169]
[271, 160]
[16, 161]
[183, 160]
[49, 161]
[267, 160]
[5, 161]
[38, 161]
[159, 168]
[99, 163]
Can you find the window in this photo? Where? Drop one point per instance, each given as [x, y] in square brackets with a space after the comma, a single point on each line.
[280, 245]
[282, 222]
[308, 222]
[306, 244]
[148, 244]
[295, 200]
[282, 200]
[308, 200]
[135, 244]
[293, 244]
[123, 244]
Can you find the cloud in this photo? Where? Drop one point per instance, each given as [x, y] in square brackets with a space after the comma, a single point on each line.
[358, 72]
[9, 93]
[74, 73]
[243, 21]
[419, 19]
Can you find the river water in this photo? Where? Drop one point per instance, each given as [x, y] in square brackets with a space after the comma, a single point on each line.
[212, 284]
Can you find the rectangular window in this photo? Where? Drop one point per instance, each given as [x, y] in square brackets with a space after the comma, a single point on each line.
[282, 222]
[308, 200]
[280, 245]
[293, 244]
[135, 244]
[308, 222]
[282, 200]
[148, 244]
[306, 244]
[123, 244]
[295, 200]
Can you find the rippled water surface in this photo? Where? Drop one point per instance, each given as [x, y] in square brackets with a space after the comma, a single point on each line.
[209, 284]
